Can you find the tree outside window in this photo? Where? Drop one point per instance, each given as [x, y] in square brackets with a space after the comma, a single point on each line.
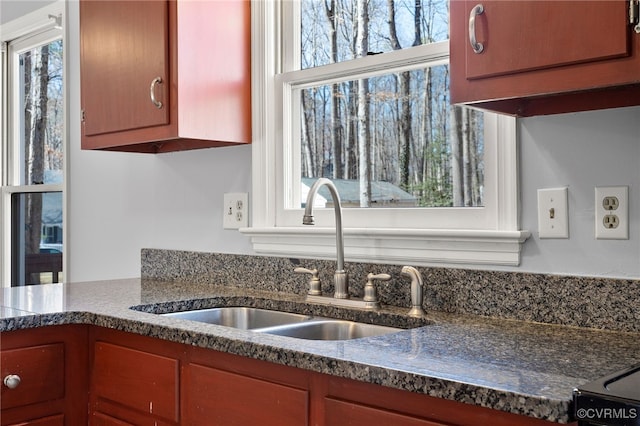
[33, 193]
[397, 128]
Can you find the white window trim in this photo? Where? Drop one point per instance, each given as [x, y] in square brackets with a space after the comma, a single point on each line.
[35, 22]
[271, 232]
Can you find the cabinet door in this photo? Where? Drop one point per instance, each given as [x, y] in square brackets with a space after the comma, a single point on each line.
[99, 419]
[544, 57]
[350, 414]
[530, 35]
[47, 421]
[124, 49]
[41, 373]
[52, 365]
[144, 382]
[216, 397]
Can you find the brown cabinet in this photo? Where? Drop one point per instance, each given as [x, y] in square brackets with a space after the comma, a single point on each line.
[217, 388]
[350, 414]
[535, 57]
[139, 380]
[57, 420]
[44, 374]
[134, 380]
[218, 397]
[351, 403]
[169, 75]
[100, 419]
[144, 381]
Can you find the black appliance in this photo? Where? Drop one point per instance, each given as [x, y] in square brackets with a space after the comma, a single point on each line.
[613, 400]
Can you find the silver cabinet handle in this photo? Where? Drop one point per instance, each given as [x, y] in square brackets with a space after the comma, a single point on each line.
[152, 92]
[477, 10]
[12, 381]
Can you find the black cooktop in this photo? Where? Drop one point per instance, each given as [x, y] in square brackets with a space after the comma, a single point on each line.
[613, 400]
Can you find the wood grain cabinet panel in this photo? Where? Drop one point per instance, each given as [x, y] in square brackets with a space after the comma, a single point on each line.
[218, 388]
[217, 397]
[51, 363]
[534, 35]
[542, 57]
[349, 402]
[165, 75]
[349, 414]
[41, 373]
[142, 381]
[100, 419]
[48, 421]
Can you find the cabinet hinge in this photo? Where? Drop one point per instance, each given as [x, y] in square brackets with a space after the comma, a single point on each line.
[634, 15]
[82, 116]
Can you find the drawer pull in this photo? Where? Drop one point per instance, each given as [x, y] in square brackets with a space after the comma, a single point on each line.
[152, 92]
[477, 10]
[12, 381]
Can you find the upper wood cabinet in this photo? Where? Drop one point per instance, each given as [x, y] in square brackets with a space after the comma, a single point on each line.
[160, 76]
[544, 57]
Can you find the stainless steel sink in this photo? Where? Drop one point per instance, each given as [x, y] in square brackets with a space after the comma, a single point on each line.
[284, 323]
[240, 317]
[330, 330]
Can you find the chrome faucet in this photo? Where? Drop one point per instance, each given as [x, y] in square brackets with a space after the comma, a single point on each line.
[416, 290]
[341, 278]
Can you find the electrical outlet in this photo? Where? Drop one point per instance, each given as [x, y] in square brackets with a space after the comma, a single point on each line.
[553, 213]
[235, 213]
[612, 213]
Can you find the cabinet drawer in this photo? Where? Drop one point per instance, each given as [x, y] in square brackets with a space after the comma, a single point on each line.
[139, 380]
[41, 372]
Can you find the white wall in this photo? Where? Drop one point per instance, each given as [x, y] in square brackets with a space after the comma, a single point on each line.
[12, 9]
[120, 203]
[581, 151]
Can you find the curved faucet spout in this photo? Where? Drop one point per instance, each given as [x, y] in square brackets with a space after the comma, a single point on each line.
[341, 278]
[416, 290]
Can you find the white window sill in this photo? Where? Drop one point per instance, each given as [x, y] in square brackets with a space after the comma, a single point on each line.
[419, 247]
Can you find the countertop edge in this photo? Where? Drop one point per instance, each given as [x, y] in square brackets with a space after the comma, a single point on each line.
[487, 397]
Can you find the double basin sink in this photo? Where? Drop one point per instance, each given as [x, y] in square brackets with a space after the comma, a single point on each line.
[284, 323]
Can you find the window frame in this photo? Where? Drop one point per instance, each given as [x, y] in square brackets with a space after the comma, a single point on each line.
[368, 235]
[34, 28]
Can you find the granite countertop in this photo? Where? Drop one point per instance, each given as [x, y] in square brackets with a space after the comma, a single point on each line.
[516, 366]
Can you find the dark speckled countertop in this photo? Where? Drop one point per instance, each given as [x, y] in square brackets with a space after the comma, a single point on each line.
[516, 366]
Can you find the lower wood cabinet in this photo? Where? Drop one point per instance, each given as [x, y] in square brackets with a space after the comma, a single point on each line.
[57, 420]
[346, 413]
[129, 372]
[349, 402]
[143, 381]
[46, 374]
[134, 379]
[100, 419]
[217, 397]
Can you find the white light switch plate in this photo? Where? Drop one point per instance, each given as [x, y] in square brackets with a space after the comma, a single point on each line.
[553, 213]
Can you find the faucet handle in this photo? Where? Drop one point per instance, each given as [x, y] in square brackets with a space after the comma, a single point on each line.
[314, 281]
[370, 291]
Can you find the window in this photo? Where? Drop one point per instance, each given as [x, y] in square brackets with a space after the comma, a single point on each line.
[358, 90]
[33, 158]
